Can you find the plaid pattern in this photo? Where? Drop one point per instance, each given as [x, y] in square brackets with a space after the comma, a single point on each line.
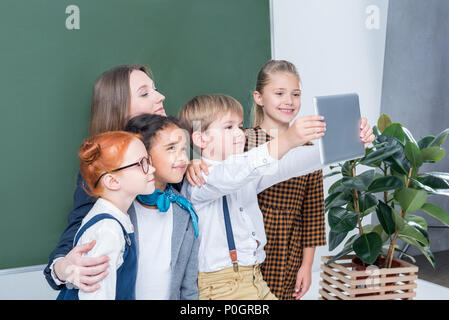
[293, 213]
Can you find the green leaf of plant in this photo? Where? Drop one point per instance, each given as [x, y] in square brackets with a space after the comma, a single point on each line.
[367, 203]
[342, 220]
[386, 219]
[333, 187]
[380, 231]
[436, 212]
[416, 221]
[439, 139]
[399, 162]
[413, 154]
[424, 142]
[367, 247]
[380, 154]
[409, 136]
[411, 200]
[395, 130]
[336, 199]
[419, 224]
[398, 220]
[385, 183]
[433, 181]
[425, 250]
[397, 249]
[441, 175]
[415, 234]
[346, 169]
[432, 154]
[360, 182]
[383, 122]
[366, 177]
[351, 240]
[330, 174]
[335, 238]
[442, 192]
[345, 251]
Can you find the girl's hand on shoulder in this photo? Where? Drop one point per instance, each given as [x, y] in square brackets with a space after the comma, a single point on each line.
[366, 132]
[193, 173]
[83, 272]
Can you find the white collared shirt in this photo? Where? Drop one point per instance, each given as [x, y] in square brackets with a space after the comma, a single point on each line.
[241, 177]
[109, 241]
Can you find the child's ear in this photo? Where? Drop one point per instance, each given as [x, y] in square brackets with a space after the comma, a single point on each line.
[110, 182]
[257, 98]
[199, 140]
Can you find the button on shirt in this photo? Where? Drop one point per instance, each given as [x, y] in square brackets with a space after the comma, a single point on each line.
[241, 177]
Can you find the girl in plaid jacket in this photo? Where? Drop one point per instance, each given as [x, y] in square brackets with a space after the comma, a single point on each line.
[293, 210]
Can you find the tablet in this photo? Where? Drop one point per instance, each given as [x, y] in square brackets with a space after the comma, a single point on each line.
[341, 142]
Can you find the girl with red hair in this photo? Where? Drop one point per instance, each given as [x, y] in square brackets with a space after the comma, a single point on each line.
[115, 166]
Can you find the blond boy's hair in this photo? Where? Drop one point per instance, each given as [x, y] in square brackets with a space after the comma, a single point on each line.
[201, 111]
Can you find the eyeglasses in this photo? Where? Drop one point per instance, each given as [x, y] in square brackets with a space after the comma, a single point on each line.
[144, 163]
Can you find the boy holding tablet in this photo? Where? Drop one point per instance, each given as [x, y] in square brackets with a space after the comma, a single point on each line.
[231, 229]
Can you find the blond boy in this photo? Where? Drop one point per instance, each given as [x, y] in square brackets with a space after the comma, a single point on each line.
[215, 125]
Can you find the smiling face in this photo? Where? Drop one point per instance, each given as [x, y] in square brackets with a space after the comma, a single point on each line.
[224, 137]
[144, 96]
[280, 98]
[168, 152]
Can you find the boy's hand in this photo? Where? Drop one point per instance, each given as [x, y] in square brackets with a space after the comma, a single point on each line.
[366, 133]
[305, 129]
[300, 132]
[193, 173]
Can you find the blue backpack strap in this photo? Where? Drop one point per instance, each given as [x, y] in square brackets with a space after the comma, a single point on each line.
[94, 220]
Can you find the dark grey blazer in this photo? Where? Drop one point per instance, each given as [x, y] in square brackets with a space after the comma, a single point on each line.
[184, 254]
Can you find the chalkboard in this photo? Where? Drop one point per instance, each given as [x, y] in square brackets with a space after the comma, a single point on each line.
[51, 54]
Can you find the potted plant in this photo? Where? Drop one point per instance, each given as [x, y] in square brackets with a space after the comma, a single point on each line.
[394, 189]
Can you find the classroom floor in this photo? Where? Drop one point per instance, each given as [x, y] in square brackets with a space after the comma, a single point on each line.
[432, 284]
[439, 275]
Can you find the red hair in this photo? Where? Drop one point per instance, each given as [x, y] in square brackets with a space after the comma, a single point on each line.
[102, 153]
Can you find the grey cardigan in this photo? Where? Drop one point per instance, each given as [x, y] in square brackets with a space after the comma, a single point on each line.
[184, 254]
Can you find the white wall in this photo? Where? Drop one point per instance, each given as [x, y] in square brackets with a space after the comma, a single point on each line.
[338, 47]
[26, 283]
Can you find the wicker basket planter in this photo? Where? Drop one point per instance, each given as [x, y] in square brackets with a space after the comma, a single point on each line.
[340, 282]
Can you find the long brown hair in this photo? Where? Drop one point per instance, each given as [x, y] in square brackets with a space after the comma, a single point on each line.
[111, 99]
[269, 68]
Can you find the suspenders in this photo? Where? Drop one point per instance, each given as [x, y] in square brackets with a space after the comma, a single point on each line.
[230, 235]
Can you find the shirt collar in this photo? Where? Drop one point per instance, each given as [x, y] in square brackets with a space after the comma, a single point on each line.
[210, 161]
[103, 205]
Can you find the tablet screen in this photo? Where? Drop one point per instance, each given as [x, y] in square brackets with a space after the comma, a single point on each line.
[341, 141]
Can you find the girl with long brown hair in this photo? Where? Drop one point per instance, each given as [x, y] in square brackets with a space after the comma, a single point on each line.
[119, 94]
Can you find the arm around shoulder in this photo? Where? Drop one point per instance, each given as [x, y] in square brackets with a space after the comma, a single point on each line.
[82, 203]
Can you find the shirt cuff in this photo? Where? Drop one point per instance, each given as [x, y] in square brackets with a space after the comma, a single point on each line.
[260, 157]
[53, 274]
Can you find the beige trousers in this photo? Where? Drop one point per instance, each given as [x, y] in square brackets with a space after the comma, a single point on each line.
[225, 284]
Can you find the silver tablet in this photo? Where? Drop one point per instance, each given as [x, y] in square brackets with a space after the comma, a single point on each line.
[341, 141]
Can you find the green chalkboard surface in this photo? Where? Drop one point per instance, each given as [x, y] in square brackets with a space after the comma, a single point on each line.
[47, 71]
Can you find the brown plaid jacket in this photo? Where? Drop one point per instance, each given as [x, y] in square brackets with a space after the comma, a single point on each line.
[293, 213]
